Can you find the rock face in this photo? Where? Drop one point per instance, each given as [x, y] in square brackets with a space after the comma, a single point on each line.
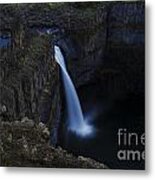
[111, 48]
[30, 82]
[26, 144]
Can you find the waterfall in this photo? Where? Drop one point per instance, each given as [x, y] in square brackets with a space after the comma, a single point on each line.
[75, 118]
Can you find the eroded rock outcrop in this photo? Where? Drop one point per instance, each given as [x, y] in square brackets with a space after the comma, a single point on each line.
[25, 143]
[30, 82]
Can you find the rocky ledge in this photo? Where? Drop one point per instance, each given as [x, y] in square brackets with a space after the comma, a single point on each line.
[25, 143]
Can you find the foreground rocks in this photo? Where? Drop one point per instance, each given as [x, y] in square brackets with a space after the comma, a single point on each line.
[24, 143]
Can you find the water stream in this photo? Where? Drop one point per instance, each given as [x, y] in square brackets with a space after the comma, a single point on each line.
[75, 118]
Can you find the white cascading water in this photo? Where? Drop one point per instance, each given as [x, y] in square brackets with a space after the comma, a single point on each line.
[76, 121]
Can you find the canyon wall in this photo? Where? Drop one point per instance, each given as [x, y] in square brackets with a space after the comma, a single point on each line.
[29, 82]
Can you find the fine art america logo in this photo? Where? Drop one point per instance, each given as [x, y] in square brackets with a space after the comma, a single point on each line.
[129, 144]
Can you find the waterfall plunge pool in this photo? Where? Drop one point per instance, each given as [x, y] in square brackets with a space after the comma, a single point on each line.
[102, 116]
